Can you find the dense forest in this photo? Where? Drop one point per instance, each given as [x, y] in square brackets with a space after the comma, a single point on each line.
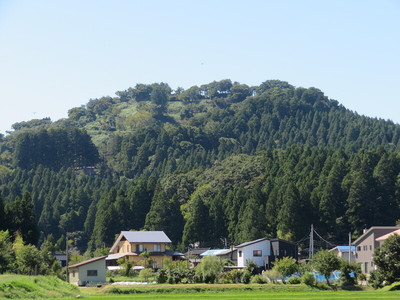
[222, 162]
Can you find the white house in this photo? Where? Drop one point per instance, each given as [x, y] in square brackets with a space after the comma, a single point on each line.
[90, 271]
[255, 251]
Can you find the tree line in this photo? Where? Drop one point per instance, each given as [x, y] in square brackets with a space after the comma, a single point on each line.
[275, 193]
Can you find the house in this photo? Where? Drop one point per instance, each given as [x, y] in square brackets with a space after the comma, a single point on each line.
[131, 244]
[61, 259]
[367, 243]
[229, 254]
[280, 249]
[194, 255]
[344, 252]
[383, 238]
[255, 251]
[92, 271]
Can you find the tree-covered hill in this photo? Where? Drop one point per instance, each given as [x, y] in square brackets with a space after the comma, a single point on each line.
[215, 162]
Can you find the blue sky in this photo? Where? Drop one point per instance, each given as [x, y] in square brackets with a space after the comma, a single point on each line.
[55, 55]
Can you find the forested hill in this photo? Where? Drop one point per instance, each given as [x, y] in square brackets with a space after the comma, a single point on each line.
[223, 160]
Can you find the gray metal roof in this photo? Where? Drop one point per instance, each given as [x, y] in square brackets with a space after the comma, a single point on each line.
[146, 236]
[250, 243]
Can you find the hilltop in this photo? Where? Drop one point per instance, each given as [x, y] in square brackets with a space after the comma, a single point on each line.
[220, 160]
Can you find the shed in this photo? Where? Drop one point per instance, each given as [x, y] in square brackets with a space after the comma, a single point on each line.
[92, 271]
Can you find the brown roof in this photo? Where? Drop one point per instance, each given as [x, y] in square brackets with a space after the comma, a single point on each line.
[371, 229]
[384, 237]
[87, 261]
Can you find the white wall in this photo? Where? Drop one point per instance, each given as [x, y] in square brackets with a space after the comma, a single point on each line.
[247, 253]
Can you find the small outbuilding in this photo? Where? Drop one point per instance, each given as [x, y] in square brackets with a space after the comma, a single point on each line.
[92, 271]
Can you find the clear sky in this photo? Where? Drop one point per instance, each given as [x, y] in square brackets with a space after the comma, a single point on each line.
[57, 54]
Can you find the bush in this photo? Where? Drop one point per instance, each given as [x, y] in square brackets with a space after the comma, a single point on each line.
[210, 269]
[145, 274]
[272, 275]
[376, 279]
[251, 266]
[246, 277]
[393, 287]
[346, 268]
[387, 260]
[232, 276]
[294, 280]
[260, 279]
[161, 276]
[286, 266]
[308, 279]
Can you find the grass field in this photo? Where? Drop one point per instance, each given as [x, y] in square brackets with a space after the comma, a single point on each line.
[24, 287]
[40, 287]
[321, 295]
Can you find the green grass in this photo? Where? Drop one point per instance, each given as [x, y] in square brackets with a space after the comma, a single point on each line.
[25, 287]
[39, 287]
[321, 295]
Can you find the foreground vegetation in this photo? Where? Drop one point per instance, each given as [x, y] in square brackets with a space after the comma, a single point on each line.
[252, 291]
[25, 287]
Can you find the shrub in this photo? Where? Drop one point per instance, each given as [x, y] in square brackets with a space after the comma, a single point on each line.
[145, 274]
[210, 269]
[294, 280]
[272, 275]
[325, 263]
[387, 260]
[246, 277]
[232, 276]
[308, 279]
[286, 266]
[251, 266]
[346, 268]
[161, 276]
[260, 279]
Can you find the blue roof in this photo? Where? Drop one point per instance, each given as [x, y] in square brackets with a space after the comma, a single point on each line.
[214, 252]
[346, 248]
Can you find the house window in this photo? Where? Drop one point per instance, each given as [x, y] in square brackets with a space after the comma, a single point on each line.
[257, 253]
[139, 248]
[240, 253]
[370, 247]
[358, 248]
[91, 272]
[157, 248]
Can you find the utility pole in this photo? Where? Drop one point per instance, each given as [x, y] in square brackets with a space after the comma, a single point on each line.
[66, 252]
[349, 247]
[311, 252]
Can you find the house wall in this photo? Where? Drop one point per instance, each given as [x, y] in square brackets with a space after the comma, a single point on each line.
[247, 253]
[125, 246]
[279, 250]
[345, 255]
[366, 247]
[157, 260]
[79, 274]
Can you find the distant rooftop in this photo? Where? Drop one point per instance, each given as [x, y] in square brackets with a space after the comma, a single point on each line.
[146, 236]
[384, 237]
[215, 252]
[250, 243]
[344, 248]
